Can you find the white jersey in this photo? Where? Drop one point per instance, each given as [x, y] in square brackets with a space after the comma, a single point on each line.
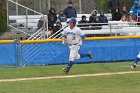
[73, 36]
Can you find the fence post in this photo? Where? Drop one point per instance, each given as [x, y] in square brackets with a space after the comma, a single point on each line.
[17, 52]
[26, 19]
[110, 28]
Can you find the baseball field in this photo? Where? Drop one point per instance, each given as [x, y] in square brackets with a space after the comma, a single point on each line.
[115, 77]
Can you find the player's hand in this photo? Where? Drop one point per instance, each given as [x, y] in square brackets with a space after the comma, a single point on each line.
[63, 42]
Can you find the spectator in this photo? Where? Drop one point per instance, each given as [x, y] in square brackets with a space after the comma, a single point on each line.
[40, 23]
[102, 17]
[123, 18]
[70, 11]
[113, 4]
[56, 28]
[130, 17]
[51, 22]
[135, 8]
[92, 17]
[124, 22]
[97, 26]
[52, 13]
[61, 17]
[117, 15]
[124, 11]
[82, 21]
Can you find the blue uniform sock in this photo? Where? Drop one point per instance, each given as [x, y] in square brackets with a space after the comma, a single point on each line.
[136, 60]
[83, 55]
[70, 63]
[69, 66]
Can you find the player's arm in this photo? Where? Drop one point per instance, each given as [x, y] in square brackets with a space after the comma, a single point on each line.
[64, 37]
[82, 35]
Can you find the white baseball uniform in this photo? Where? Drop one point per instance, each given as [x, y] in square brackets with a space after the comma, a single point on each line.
[138, 55]
[73, 39]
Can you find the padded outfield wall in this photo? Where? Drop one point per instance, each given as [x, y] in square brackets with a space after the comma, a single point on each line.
[104, 49]
[9, 53]
[42, 52]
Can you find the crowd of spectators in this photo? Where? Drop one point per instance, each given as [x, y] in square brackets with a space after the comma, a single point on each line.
[117, 11]
[118, 14]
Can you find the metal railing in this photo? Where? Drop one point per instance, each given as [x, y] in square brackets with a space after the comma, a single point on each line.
[102, 29]
[116, 28]
[26, 23]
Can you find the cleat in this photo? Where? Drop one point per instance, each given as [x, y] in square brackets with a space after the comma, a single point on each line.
[64, 69]
[89, 55]
[133, 66]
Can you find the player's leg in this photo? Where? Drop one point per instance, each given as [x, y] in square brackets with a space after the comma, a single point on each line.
[86, 55]
[71, 58]
[136, 61]
[77, 56]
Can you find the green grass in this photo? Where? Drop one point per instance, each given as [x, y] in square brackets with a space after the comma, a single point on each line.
[128, 83]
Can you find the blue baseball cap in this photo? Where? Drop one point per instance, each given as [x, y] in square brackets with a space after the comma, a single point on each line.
[136, 3]
[72, 20]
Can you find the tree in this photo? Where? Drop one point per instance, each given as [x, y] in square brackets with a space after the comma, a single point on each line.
[103, 4]
[3, 21]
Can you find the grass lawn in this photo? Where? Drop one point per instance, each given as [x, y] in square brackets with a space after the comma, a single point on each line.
[128, 83]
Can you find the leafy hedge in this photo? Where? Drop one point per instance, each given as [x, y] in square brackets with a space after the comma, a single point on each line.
[3, 16]
[103, 4]
[3, 21]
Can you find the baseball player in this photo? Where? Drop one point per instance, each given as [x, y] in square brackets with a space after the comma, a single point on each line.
[136, 61]
[72, 36]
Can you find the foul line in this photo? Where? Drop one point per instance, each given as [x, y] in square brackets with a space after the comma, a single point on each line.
[68, 76]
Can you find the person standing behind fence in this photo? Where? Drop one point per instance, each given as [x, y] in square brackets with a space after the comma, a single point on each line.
[117, 15]
[52, 13]
[40, 23]
[62, 17]
[124, 11]
[51, 22]
[70, 11]
[113, 4]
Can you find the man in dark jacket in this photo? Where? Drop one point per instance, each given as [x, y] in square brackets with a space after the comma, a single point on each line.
[70, 11]
[102, 18]
[114, 4]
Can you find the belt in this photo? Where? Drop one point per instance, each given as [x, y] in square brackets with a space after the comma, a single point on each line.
[72, 44]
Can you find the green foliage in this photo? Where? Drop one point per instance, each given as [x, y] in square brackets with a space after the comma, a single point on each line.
[128, 83]
[56, 70]
[103, 4]
[3, 21]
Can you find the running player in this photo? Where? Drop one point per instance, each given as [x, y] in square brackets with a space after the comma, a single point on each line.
[136, 61]
[72, 36]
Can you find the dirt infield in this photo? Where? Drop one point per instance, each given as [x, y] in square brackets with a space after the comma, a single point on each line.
[68, 76]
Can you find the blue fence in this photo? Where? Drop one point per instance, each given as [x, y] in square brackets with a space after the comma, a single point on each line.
[102, 50]
[9, 54]
[14, 54]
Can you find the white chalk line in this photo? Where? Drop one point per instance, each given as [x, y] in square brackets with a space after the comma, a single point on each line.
[68, 76]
